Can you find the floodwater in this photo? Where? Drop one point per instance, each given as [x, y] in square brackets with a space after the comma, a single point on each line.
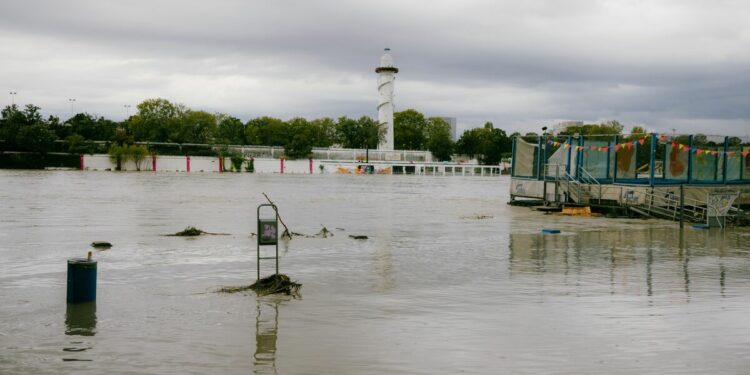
[435, 289]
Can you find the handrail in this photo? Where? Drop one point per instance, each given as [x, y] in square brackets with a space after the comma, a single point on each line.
[670, 203]
[593, 181]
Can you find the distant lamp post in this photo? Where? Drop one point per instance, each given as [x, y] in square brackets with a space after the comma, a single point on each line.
[72, 101]
[13, 98]
[127, 111]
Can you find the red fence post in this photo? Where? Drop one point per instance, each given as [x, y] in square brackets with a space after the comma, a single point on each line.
[221, 164]
[81, 163]
[153, 163]
[187, 160]
[282, 165]
[311, 163]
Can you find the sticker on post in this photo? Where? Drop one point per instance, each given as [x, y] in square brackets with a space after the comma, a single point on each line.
[269, 234]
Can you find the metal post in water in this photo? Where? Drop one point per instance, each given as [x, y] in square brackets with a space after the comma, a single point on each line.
[81, 280]
[544, 182]
[682, 205]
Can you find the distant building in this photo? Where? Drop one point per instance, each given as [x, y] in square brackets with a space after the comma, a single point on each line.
[452, 122]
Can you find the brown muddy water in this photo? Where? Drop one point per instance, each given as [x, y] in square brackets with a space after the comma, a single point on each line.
[435, 289]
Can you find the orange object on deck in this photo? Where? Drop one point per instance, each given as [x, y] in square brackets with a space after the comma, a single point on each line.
[577, 211]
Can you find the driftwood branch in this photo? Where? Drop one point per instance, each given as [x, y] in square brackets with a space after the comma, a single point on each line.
[286, 229]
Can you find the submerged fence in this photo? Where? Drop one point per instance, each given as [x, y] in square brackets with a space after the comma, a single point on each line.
[651, 159]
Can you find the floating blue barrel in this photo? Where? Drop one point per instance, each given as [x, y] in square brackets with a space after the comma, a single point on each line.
[550, 231]
[81, 280]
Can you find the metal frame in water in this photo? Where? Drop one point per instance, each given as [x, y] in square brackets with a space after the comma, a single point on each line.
[268, 234]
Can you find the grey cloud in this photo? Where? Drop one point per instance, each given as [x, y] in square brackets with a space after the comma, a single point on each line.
[518, 64]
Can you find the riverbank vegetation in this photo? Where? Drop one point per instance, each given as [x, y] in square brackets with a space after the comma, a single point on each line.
[174, 129]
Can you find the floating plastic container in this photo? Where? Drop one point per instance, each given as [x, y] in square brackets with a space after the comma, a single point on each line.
[700, 226]
[81, 280]
[550, 231]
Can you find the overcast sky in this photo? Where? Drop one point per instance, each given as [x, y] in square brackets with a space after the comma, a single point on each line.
[521, 64]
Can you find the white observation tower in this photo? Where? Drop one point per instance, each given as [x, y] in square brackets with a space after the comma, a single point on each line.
[386, 75]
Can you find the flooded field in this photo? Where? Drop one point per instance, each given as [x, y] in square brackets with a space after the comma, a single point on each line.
[451, 279]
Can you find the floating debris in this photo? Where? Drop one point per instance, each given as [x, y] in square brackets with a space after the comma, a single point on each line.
[233, 289]
[274, 284]
[286, 234]
[101, 244]
[550, 231]
[193, 231]
[358, 237]
[477, 217]
[325, 233]
[189, 231]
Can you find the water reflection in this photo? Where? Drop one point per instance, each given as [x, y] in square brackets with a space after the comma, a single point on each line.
[266, 334]
[383, 267]
[648, 261]
[80, 319]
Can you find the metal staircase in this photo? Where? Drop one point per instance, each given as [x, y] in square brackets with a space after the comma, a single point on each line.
[665, 206]
[585, 189]
[573, 190]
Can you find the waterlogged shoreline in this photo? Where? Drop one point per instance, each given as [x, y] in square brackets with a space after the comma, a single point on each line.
[432, 290]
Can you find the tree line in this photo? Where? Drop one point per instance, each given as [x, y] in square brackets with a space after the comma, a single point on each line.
[161, 121]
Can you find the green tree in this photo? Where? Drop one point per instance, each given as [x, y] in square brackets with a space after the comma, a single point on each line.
[300, 138]
[37, 138]
[157, 120]
[347, 132]
[230, 131]
[438, 138]
[137, 153]
[118, 155]
[26, 130]
[495, 144]
[488, 144]
[194, 127]
[371, 132]
[470, 142]
[90, 127]
[324, 132]
[360, 133]
[78, 145]
[409, 130]
[266, 131]
[612, 127]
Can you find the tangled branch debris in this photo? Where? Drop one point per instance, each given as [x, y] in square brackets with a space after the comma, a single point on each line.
[274, 284]
[287, 234]
[477, 217]
[325, 233]
[233, 289]
[193, 231]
